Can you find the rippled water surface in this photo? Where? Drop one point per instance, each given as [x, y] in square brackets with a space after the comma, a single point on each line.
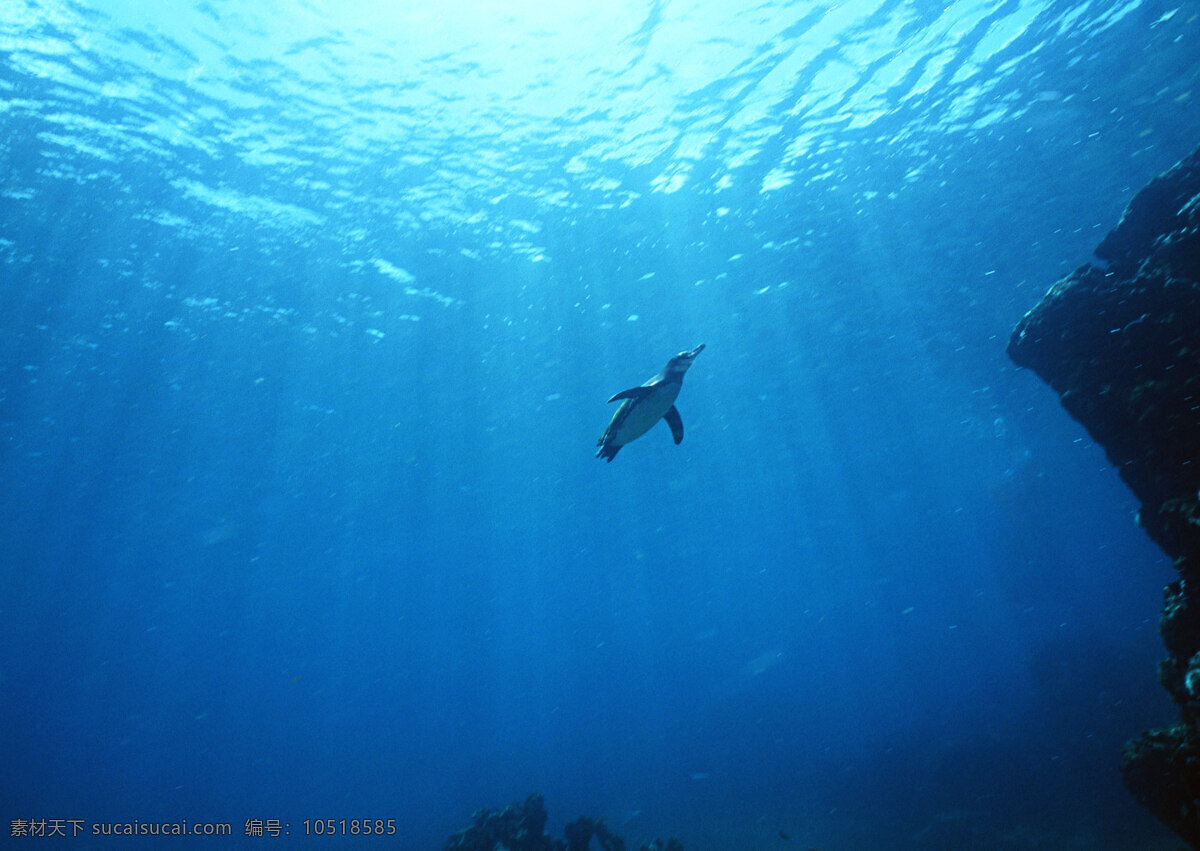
[374, 122]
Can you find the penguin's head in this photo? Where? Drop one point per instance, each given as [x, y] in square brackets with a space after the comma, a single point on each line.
[679, 364]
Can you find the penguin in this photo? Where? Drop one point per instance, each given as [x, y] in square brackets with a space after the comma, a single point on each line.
[646, 405]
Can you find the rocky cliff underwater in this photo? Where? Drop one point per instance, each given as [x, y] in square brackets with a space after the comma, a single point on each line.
[1120, 343]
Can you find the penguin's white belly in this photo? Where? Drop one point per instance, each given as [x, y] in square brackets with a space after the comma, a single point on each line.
[641, 414]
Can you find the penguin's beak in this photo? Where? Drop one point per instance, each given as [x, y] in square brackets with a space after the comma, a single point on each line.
[680, 364]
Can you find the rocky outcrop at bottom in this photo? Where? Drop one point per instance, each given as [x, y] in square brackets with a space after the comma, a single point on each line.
[1121, 346]
[522, 827]
[1161, 768]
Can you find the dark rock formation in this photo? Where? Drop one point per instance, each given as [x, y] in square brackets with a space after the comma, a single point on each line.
[521, 827]
[1121, 346]
[518, 827]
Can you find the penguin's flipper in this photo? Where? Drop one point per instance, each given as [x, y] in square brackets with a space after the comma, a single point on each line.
[632, 393]
[676, 423]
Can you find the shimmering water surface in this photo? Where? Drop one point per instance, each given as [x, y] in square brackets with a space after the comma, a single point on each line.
[308, 316]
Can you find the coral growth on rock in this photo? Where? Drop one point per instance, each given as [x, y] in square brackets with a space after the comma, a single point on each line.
[1121, 346]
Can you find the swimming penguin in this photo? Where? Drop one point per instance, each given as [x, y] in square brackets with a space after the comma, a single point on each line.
[646, 405]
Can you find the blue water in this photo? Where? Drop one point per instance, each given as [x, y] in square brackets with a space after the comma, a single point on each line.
[308, 316]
